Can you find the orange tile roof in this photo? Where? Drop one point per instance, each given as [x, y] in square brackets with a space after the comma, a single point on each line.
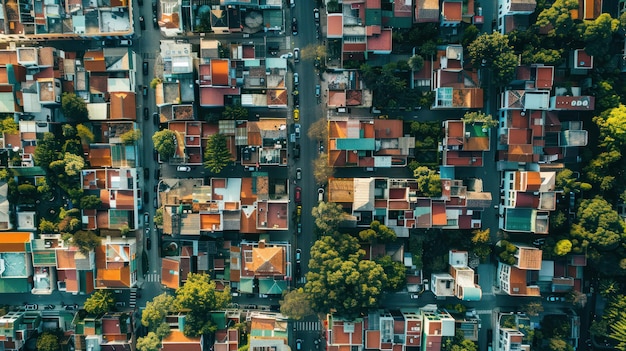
[335, 26]
[170, 269]
[123, 106]
[267, 260]
[380, 42]
[14, 241]
[177, 341]
[219, 72]
[452, 11]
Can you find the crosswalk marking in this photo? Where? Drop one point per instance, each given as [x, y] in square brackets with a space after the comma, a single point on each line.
[133, 298]
[153, 277]
[311, 326]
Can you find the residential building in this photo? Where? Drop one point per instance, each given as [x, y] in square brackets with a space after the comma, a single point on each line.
[513, 14]
[216, 86]
[29, 20]
[346, 89]
[437, 324]
[116, 263]
[16, 267]
[269, 263]
[178, 85]
[464, 144]
[398, 204]
[17, 327]
[177, 341]
[268, 331]
[510, 340]
[519, 279]
[111, 331]
[528, 198]
[171, 16]
[343, 334]
[5, 208]
[265, 142]
[465, 281]
[175, 269]
[380, 143]
[454, 85]
[426, 11]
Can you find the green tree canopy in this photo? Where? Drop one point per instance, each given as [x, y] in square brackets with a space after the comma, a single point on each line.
[494, 52]
[86, 240]
[321, 169]
[90, 202]
[47, 150]
[559, 17]
[416, 62]
[236, 112]
[612, 124]
[48, 342]
[165, 143]
[566, 181]
[598, 34]
[428, 181]
[295, 304]
[480, 118]
[217, 154]
[339, 279]
[328, 216]
[85, 134]
[198, 298]
[156, 310]
[395, 271]
[318, 130]
[9, 126]
[73, 107]
[312, 52]
[73, 164]
[378, 232]
[599, 224]
[130, 137]
[46, 226]
[563, 247]
[101, 301]
[150, 342]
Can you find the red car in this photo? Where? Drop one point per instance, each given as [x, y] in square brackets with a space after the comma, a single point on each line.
[298, 195]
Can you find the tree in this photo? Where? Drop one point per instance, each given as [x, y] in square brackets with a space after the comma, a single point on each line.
[165, 143]
[90, 202]
[321, 169]
[395, 271]
[599, 224]
[235, 112]
[27, 191]
[465, 345]
[612, 124]
[47, 150]
[469, 35]
[73, 107]
[198, 297]
[494, 52]
[9, 126]
[563, 247]
[150, 342]
[318, 130]
[339, 279]
[506, 252]
[47, 227]
[86, 240]
[155, 82]
[312, 52]
[416, 62]
[609, 287]
[130, 137]
[566, 181]
[101, 301]
[480, 118]
[85, 134]
[47, 342]
[532, 308]
[158, 217]
[72, 146]
[73, 164]
[156, 310]
[481, 236]
[559, 17]
[428, 181]
[618, 332]
[295, 304]
[328, 216]
[217, 154]
[557, 344]
[598, 35]
[378, 233]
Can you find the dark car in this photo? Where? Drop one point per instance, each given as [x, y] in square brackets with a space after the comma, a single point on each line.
[148, 244]
[157, 174]
[296, 100]
[73, 307]
[155, 119]
[109, 43]
[294, 26]
[142, 23]
[140, 2]
[298, 195]
[145, 90]
[146, 197]
[273, 49]
[296, 151]
[154, 7]
[146, 113]
[155, 154]
[155, 23]
[145, 68]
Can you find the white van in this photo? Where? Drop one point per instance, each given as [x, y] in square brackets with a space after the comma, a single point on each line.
[125, 42]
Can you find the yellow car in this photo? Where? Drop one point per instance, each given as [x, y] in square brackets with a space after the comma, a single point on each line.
[296, 115]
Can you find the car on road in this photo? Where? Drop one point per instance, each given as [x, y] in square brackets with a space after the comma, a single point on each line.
[183, 169]
[145, 68]
[148, 244]
[273, 49]
[155, 119]
[296, 151]
[155, 202]
[73, 307]
[125, 42]
[320, 194]
[147, 232]
[299, 345]
[294, 26]
[316, 16]
[296, 79]
[296, 115]
[318, 90]
[146, 114]
[146, 217]
[31, 306]
[299, 211]
[296, 129]
[142, 23]
[298, 195]
[415, 296]
[108, 43]
[145, 90]
[299, 229]
[298, 255]
[155, 23]
[292, 3]
[296, 55]
[539, 242]
[321, 148]
[555, 298]
[298, 173]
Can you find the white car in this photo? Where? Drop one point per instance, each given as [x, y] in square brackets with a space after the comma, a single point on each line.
[415, 296]
[286, 56]
[298, 255]
[183, 169]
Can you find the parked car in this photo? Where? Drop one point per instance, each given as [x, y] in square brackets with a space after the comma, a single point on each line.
[296, 115]
[539, 242]
[73, 307]
[273, 49]
[157, 174]
[298, 255]
[155, 23]
[155, 155]
[48, 307]
[146, 217]
[296, 55]
[145, 68]
[298, 195]
[296, 129]
[145, 90]
[298, 173]
[320, 194]
[147, 232]
[126, 42]
[415, 296]
[296, 79]
[31, 307]
[294, 26]
[146, 113]
[183, 169]
[108, 43]
[299, 229]
[316, 16]
[148, 244]
[142, 23]
[299, 344]
[155, 119]
[299, 211]
[555, 298]
[318, 90]
[292, 3]
[286, 56]
[296, 151]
